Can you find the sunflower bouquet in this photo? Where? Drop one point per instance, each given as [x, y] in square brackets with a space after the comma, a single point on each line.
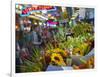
[57, 56]
[57, 59]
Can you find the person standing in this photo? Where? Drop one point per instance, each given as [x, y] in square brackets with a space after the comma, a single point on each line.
[36, 38]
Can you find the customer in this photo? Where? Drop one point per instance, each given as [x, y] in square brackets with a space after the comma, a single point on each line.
[36, 38]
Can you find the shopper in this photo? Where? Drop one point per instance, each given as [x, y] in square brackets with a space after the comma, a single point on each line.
[19, 46]
[36, 38]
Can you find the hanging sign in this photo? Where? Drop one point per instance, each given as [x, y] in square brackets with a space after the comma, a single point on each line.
[26, 11]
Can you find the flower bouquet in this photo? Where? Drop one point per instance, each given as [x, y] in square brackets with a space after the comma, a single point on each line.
[57, 56]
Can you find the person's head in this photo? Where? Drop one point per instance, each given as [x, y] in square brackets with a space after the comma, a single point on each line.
[33, 28]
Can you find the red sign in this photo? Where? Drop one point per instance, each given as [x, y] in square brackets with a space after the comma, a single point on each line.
[33, 8]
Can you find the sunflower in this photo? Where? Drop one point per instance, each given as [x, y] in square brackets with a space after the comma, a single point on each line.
[77, 51]
[57, 59]
[57, 50]
[62, 52]
[65, 53]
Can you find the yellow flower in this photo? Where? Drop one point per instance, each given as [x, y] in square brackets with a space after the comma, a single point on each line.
[63, 53]
[49, 51]
[77, 51]
[57, 59]
[90, 62]
[57, 50]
